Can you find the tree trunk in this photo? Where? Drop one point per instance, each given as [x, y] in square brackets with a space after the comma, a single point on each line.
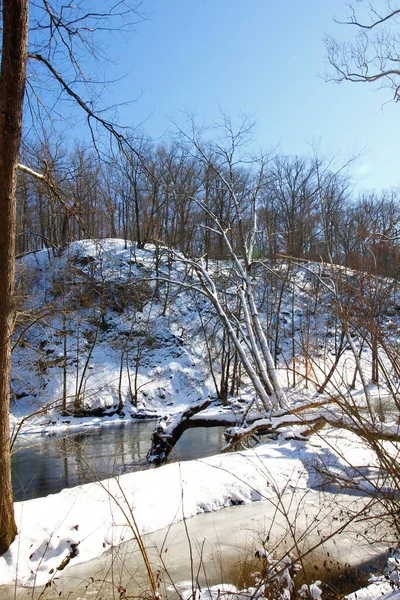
[166, 436]
[12, 84]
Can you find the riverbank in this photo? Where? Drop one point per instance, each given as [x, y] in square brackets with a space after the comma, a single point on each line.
[218, 549]
[82, 523]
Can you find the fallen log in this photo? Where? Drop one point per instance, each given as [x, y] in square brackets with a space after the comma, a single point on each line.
[300, 429]
[168, 432]
[166, 435]
[298, 423]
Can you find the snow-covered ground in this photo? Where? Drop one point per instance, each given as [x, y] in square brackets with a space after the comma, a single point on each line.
[88, 520]
[98, 329]
[99, 317]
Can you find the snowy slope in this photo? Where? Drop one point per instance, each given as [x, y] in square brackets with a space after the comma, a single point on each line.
[98, 323]
[98, 327]
[103, 314]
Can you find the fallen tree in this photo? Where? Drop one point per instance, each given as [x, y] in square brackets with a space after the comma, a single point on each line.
[167, 433]
[297, 423]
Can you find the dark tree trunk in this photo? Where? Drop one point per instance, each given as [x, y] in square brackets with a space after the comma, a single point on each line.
[12, 85]
[164, 438]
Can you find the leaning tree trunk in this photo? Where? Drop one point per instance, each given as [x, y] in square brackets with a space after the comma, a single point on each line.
[12, 84]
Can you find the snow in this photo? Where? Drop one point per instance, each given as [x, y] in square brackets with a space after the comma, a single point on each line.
[165, 340]
[82, 523]
[378, 589]
[92, 518]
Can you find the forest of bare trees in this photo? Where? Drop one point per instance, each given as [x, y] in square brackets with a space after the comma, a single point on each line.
[305, 208]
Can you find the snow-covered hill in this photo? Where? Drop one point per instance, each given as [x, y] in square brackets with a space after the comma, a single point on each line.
[102, 334]
[105, 330]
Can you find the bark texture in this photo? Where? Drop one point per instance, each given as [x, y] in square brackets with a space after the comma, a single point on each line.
[12, 85]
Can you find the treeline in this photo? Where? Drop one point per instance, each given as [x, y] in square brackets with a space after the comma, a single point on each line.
[167, 193]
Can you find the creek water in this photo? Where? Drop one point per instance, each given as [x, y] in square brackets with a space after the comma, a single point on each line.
[43, 465]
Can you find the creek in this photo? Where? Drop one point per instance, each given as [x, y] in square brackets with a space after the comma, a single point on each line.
[43, 465]
[213, 547]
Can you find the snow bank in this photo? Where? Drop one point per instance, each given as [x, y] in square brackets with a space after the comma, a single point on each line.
[83, 522]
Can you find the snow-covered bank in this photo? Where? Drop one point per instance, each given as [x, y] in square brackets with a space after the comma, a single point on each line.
[84, 522]
[99, 334]
[96, 330]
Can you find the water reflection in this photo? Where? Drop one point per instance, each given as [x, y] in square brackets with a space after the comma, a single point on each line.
[199, 442]
[46, 465]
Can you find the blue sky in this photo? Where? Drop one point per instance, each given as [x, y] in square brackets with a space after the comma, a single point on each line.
[258, 57]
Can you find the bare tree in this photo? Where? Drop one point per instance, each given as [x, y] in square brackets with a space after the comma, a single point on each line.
[12, 85]
[372, 56]
[239, 240]
[292, 191]
[60, 36]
